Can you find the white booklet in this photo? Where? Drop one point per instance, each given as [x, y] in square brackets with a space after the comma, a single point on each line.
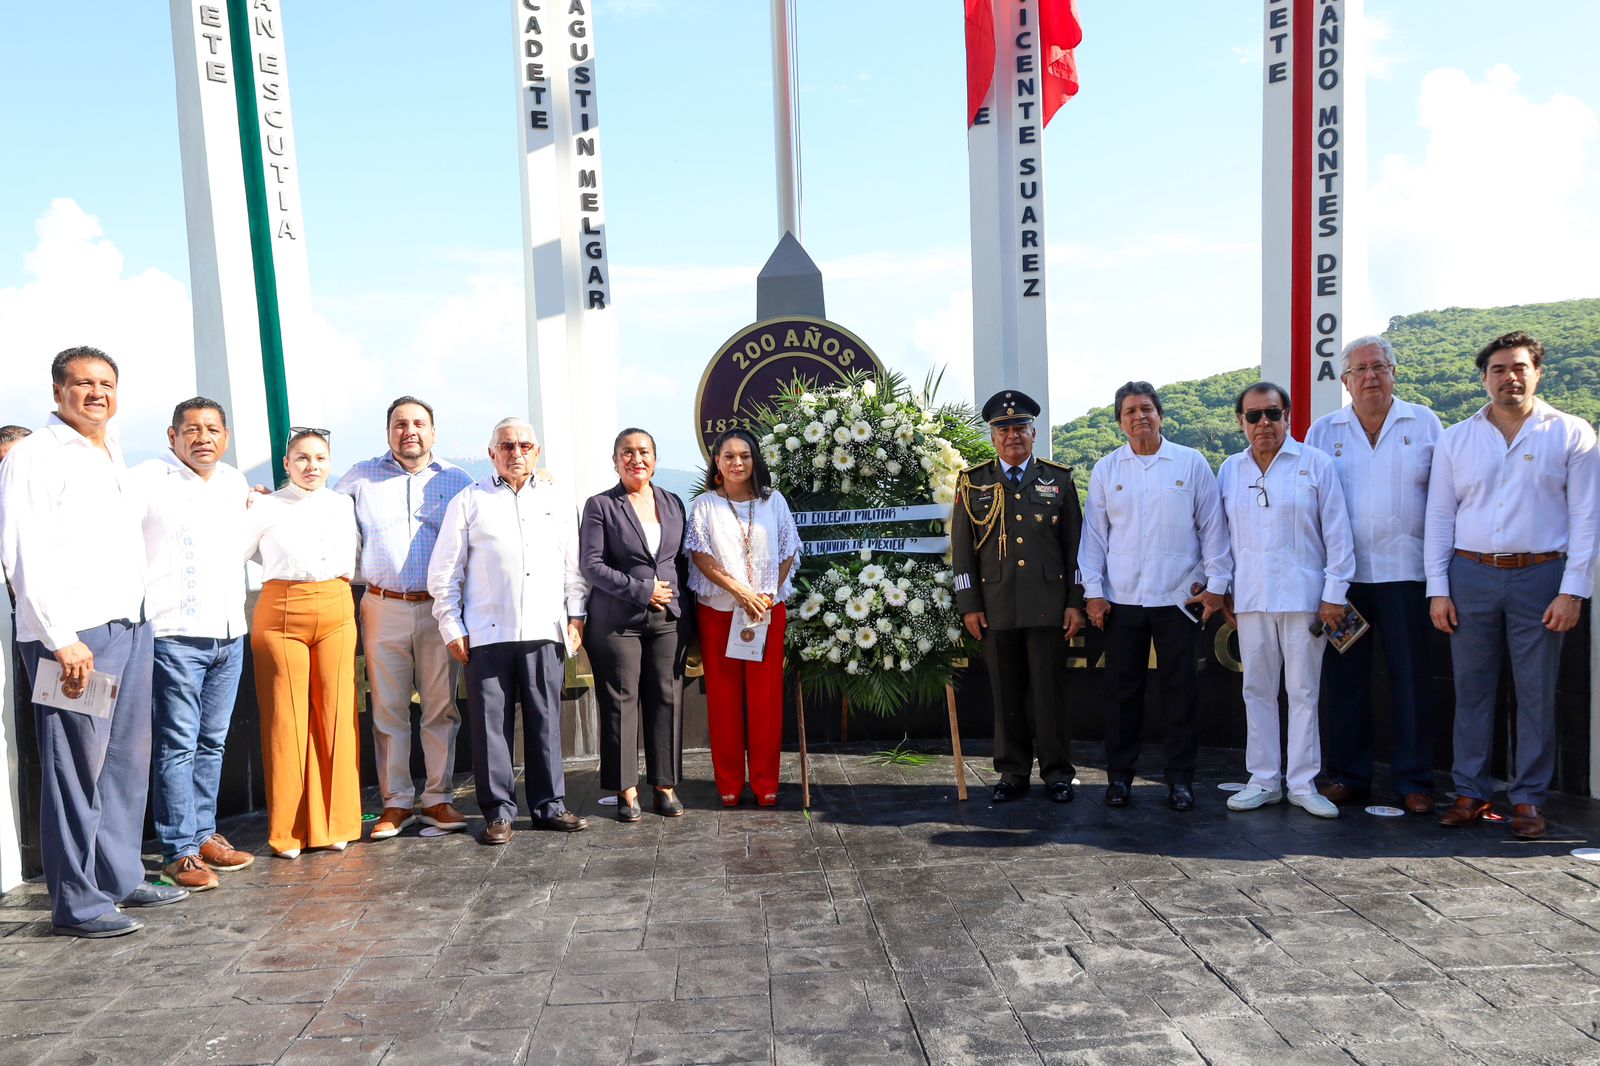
[747, 640]
[1193, 583]
[98, 697]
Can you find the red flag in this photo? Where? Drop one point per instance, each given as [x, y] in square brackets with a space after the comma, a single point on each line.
[1059, 33]
[980, 54]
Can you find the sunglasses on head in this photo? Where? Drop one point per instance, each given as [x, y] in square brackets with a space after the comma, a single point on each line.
[309, 431]
[1273, 414]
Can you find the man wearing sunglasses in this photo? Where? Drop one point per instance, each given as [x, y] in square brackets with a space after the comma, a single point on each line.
[1513, 513]
[510, 602]
[1293, 559]
[1382, 449]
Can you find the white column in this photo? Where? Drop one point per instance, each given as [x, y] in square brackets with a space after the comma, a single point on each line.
[1005, 160]
[227, 338]
[571, 338]
[786, 118]
[1313, 183]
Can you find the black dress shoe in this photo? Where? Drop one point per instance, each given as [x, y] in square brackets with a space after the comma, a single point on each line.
[1118, 794]
[668, 805]
[1060, 791]
[1006, 791]
[1182, 798]
[565, 822]
[628, 811]
[149, 894]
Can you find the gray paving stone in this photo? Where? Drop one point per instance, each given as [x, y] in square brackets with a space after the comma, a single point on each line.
[481, 1047]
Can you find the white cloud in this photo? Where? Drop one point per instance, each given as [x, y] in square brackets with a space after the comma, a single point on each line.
[1381, 53]
[79, 294]
[1500, 209]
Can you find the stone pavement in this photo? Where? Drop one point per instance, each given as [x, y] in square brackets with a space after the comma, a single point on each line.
[895, 926]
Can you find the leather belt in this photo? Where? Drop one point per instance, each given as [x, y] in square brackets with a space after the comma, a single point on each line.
[409, 597]
[1510, 560]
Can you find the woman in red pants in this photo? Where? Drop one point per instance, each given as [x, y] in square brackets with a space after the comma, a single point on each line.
[744, 544]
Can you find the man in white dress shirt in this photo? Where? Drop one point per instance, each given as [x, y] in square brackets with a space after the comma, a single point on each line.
[1293, 558]
[193, 527]
[71, 545]
[1513, 514]
[509, 601]
[1382, 449]
[1153, 523]
[400, 499]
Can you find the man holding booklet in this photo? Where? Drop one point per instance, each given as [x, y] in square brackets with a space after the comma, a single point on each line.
[1154, 560]
[72, 546]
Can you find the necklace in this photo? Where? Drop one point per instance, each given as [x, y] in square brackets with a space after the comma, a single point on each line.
[747, 527]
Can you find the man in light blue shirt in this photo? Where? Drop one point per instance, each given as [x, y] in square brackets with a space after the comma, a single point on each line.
[400, 499]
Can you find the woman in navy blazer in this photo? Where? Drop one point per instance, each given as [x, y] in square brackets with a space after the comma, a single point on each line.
[631, 552]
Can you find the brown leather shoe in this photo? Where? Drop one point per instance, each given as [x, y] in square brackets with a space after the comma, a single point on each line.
[1419, 803]
[1465, 810]
[1527, 821]
[189, 872]
[391, 821]
[1343, 794]
[221, 855]
[442, 816]
[496, 833]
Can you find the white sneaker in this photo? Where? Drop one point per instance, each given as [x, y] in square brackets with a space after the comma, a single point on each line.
[1315, 803]
[1252, 796]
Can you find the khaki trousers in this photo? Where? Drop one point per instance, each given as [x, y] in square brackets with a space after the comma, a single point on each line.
[406, 654]
[303, 636]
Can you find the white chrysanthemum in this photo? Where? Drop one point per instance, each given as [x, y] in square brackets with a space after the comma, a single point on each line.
[792, 443]
[866, 637]
[829, 417]
[841, 435]
[771, 455]
[842, 459]
[885, 626]
[858, 608]
[941, 598]
[814, 432]
[924, 645]
[869, 388]
[809, 609]
[861, 430]
[916, 607]
[854, 411]
[905, 433]
[843, 593]
[894, 595]
[944, 495]
[892, 468]
[830, 619]
[871, 574]
[834, 655]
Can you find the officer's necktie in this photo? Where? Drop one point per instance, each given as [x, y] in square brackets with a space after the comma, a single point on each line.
[1014, 475]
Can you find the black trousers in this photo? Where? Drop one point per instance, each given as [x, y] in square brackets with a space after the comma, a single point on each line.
[638, 674]
[499, 676]
[1129, 631]
[1028, 680]
[1398, 614]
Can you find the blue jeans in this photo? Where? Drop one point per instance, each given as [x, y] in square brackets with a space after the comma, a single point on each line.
[193, 689]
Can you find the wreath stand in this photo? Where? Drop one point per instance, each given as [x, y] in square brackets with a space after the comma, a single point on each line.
[805, 756]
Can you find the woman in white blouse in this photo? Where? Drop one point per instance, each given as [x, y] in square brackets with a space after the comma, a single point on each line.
[303, 636]
[744, 544]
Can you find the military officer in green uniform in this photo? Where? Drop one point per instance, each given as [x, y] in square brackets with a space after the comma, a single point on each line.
[1014, 547]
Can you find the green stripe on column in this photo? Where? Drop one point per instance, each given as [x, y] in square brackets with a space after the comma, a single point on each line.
[255, 193]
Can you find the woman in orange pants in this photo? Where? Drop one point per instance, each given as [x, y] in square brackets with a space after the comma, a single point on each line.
[744, 544]
[303, 636]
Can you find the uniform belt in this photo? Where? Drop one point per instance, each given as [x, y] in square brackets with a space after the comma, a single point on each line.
[1510, 560]
[409, 597]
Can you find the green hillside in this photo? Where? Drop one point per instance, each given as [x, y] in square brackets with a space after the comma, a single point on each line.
[1435, 350]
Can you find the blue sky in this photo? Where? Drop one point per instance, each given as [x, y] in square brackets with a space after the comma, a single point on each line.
[1482, 139]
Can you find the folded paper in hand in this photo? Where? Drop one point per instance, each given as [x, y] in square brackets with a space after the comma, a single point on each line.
[98, 697]
[747, 640]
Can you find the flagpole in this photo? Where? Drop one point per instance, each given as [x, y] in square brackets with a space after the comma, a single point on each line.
[786, 117]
